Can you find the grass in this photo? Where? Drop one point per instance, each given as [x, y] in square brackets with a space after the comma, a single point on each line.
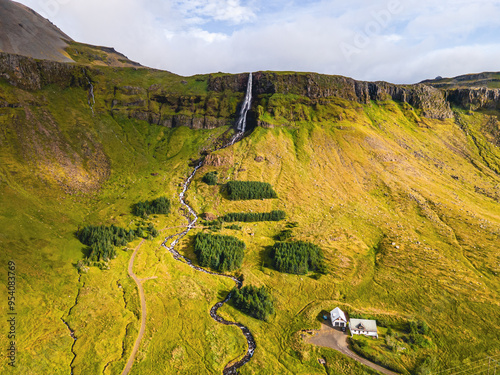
[40, 212]
[366, 187]
[371, 185]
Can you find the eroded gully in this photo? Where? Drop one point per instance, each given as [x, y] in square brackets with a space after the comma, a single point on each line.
[192, 218]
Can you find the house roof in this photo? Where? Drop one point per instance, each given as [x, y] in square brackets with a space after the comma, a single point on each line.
[363, 325]
[337, 313]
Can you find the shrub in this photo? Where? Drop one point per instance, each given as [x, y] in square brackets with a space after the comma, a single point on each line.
[242, 190]
[256, 302]
[276, 215]
[419, 341]
[210, 178]
[423, 328]
[156, 206]
[297, 257]
[222, 253]
[214, 225]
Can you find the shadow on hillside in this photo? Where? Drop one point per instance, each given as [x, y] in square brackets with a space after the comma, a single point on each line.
[265, 258]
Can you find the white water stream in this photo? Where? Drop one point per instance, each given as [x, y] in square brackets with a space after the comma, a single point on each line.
[193, 218]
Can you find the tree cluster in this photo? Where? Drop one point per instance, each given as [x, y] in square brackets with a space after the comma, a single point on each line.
[242, 190]
[221, 253]
[147, 232]
[156, 206]
[297, 257]
[210, 178]
[276, 215]
[256, 302]
[102, 240]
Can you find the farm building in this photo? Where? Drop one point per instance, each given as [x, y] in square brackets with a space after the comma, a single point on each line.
[338, 318]
[363, 327]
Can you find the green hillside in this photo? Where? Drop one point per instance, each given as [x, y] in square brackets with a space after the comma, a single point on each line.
[404, 207]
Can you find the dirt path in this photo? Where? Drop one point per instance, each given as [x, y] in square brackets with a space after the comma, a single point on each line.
[337, 340]
[131, 273]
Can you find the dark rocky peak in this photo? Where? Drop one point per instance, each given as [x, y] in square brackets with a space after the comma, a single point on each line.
[25, 32]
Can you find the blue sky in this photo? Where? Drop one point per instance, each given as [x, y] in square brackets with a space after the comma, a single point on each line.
[400, 41]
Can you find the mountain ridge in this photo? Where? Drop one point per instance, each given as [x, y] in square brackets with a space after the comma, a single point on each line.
[25, 32]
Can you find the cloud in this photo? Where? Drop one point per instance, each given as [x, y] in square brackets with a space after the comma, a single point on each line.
[400, 41]
[218, 10]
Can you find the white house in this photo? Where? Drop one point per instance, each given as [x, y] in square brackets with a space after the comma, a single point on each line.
[363, 327]
[338, 318]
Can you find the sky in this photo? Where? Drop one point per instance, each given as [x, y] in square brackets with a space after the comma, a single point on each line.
[399, 41]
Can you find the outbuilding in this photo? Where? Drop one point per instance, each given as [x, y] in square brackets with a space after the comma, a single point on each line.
[338, 318]
[363, 327]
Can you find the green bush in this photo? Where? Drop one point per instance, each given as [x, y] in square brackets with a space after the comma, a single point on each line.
[242, 190]
[423, 328]
[156, 206]
[214, 225]
[256, 302]
[210, 178]
[222, 253]
[276, 215]
[102, 240]
[297, 257]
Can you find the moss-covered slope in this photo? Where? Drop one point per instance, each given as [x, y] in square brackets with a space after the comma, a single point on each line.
[404, 204]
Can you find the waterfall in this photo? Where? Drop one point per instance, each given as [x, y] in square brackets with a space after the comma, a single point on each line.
[192, 217]
[91, 95]
[242, 120]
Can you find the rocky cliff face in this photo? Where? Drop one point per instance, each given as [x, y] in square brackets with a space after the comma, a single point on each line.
[30, 74]
[431, 101]
[217, 107]
[156, 104]
[475, 98]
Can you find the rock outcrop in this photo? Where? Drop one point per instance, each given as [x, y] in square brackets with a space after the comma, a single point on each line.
[475, 98]
[430, 100]
[227, 82]
[157, 105]
[30, 74]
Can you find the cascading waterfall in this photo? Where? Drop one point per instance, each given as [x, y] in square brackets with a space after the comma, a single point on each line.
[193, 218]
[241, 124]
[242, 120]
[91, 95]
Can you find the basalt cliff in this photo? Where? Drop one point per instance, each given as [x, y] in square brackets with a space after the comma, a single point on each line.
[160, 104]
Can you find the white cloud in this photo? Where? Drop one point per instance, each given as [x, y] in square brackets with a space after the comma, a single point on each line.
[401, 41]
[218, 10]
[205, 35]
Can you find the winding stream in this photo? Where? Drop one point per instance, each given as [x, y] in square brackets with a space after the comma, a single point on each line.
[192, 218]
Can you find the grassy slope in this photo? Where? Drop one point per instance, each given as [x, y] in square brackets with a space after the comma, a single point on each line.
[375, 175]
[39, 216]
[382, 177]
